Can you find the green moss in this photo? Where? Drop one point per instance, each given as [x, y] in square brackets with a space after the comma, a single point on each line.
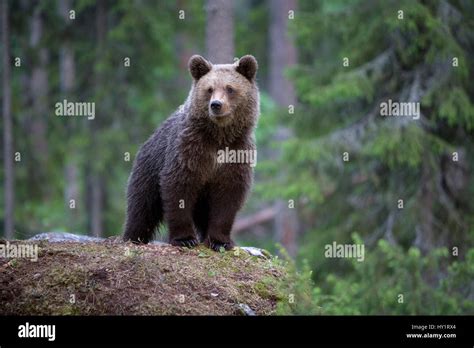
[113, 278]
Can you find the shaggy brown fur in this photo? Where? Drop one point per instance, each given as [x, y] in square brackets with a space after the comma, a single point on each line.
[176, 177]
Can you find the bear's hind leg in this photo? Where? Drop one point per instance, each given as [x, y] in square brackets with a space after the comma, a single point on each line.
[142, 222]
[144, 209]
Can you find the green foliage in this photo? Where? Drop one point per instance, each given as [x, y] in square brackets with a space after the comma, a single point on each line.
[130, 103]
[390, 146]
[390, 158]
[457, 109]
[298, 294]
[374, 285]
[338, 112]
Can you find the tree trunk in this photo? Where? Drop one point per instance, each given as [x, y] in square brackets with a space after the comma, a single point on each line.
[67, 68]
[185, 47]
[67, 77]
[96, 198]
[183, 52]
[97, 206]
[282, 52]
[7, 126]
[282, 55]
[220, 31]
[38, 92]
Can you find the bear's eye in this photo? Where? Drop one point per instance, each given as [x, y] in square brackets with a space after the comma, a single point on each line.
[230, 90]
[210, 90]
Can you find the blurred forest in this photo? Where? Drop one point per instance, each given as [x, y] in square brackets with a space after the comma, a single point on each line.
[330, 168]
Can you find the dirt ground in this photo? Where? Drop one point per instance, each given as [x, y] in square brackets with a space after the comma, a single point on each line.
[116, 278]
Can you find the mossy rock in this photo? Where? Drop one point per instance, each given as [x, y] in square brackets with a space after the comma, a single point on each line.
[115, 278]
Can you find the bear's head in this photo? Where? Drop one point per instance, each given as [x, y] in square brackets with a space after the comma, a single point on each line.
[226, 93]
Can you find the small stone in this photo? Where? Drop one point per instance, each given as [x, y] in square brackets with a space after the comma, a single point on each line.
[246, 309]
[261, 253]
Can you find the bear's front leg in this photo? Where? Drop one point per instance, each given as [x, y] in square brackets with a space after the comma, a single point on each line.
[226, 196]
[179, 196]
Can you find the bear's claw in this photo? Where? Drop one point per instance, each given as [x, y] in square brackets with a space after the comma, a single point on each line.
[216, 245]
[190, 242]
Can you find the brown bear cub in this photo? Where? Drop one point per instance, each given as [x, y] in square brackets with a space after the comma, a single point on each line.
[177, 177]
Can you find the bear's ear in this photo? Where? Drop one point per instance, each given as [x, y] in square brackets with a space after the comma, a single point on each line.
[247, 66]
[198, 66]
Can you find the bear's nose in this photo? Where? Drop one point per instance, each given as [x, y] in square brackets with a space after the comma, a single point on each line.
[216, 105]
